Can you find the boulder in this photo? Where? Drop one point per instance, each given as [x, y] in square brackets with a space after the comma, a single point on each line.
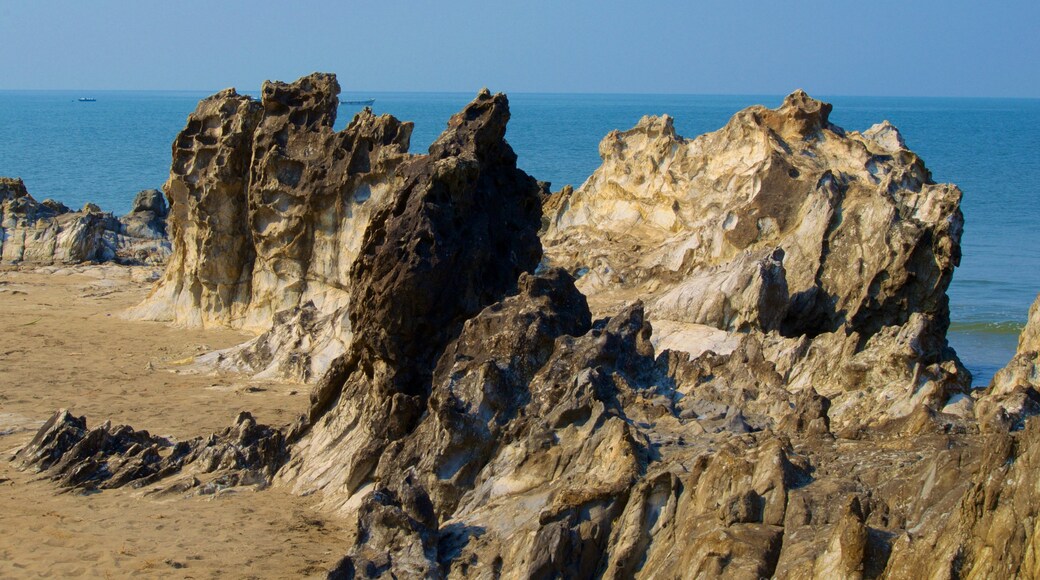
[147, 217]
[149, 200]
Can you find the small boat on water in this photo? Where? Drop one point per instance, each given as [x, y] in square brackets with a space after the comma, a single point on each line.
[367, 103]
[87, 100]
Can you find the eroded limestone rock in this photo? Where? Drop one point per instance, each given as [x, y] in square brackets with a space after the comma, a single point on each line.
[49, 233]
[301, 345]
[857, 290]
[453, 238]
[1014, 393]
[268, 205]
[788, 414]
[107, 457]
[814, 447]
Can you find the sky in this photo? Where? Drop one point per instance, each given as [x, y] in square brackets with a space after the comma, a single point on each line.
[950, 48]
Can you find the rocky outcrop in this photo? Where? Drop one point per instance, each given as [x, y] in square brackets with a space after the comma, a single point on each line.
[739, 371]
[833, 249]
[1014, 393]
[790, 455]
[453, 238]
[208, 224]
[551, 446]
[107, 457]
[581, 459]
[269, 204]
[147, 217]
[47, 232]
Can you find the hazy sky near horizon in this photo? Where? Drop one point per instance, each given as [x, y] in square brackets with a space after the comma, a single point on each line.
[836, 47]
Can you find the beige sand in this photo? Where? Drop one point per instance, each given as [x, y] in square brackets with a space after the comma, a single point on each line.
[63, 344]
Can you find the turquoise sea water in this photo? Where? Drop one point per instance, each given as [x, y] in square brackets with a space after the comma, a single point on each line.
[108, 150]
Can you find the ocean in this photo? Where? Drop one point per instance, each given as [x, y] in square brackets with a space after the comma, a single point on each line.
[108, 150]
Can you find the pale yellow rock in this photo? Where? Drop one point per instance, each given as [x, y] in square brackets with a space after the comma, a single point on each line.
[268, 208]
[783, 224]
[1014, 392]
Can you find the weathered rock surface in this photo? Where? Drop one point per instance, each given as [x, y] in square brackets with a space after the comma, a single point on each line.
[989, 531]
[740, 371]
[107, 457]
[268, 204]
[147, 217]
[816, 447]
[301, 345]
[453, 238]
[833, 249]
[47, 232]
[1014, 393]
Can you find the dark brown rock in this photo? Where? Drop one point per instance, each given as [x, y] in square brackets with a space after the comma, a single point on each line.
[107, 457]
[452, 239]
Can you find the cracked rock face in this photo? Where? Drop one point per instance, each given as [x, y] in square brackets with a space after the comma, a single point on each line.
[268, 204]
[268, 209]
[47, 232]
[453, 238]
[837, 246]
[814, 447]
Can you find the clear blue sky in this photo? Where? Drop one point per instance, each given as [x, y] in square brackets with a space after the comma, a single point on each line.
[835, 47]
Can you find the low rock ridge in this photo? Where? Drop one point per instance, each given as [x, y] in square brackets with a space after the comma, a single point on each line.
[48, 232]
[107, 457]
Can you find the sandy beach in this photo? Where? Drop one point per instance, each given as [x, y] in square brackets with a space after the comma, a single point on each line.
[63, 344]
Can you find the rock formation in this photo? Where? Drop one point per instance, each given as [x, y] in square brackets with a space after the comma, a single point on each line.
[1014, 393]
[268, 204]
[453, 238]
[831, 250]
[730, 362]
[596, 457]
[268, 208]
[147, 217]
[107, 457]
[47, 232]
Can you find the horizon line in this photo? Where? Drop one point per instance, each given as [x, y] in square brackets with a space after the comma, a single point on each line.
[609, 93]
